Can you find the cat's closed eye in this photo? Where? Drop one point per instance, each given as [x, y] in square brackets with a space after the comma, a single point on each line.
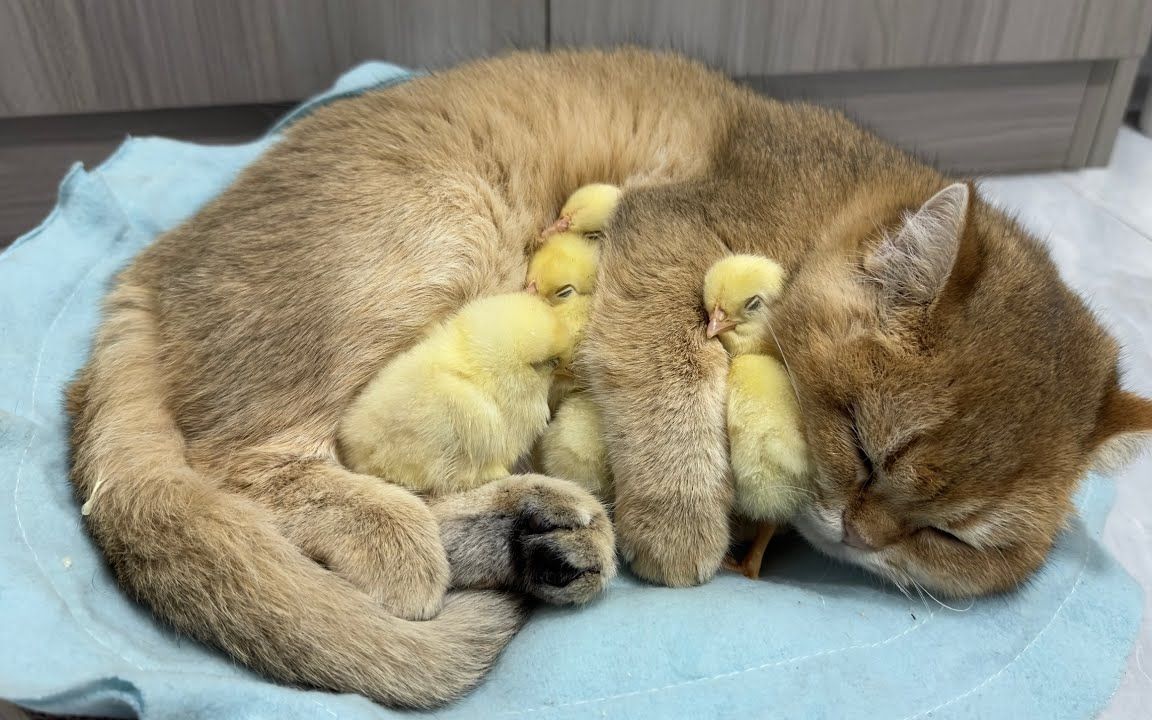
[865, 470]
[943, 535]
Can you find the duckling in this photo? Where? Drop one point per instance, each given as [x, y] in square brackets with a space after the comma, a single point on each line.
[771, 465]
[458, 409]
[587, 210]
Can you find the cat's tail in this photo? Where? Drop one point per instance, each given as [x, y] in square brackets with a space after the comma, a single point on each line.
[213, 565]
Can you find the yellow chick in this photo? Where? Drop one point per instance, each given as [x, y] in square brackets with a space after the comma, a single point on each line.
[587, 210]
[459, 408]
[572, 447]
[562, 271]
[574, 314]
[771, 465]
[737, 292]
[562, 267]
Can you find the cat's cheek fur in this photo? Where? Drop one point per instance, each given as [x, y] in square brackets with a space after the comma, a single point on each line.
[914, 562]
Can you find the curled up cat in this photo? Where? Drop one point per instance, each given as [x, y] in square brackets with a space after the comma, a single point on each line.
[952, 389]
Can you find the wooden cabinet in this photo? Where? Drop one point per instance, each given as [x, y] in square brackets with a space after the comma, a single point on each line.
[972, 85]
[73, 56]
[773, 37]
[979, 119]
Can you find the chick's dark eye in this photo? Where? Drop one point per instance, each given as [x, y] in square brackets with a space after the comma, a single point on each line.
[566, 291]
[754, 303]
[548, 365]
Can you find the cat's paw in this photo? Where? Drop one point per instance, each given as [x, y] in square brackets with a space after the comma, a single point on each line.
[392, 552]
[563, 546]
[414, 589]
[676, 552]
[545, 537]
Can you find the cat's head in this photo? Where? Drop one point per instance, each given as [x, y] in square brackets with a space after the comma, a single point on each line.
[954, 390]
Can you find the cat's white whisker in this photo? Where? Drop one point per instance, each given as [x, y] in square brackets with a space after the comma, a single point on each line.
[787, 367]
[920, 594]
[900, 586]
[797, 489]
[942, 604]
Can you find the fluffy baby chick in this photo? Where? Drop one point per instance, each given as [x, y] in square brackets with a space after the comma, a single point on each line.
[461, 406]
[587, 210]
[563, 267]
[572, 446]
[771, 466]
[737, 292]
[563, 272]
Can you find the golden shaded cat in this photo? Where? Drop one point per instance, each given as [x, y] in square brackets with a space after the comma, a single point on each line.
[953, 389]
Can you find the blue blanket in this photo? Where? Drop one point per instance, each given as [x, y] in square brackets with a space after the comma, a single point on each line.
[811, 640]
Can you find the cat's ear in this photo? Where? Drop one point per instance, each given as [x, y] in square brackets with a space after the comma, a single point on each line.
[1123, 429]
[913, 262]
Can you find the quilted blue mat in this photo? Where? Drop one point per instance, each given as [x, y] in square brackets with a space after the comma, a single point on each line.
[812, 640]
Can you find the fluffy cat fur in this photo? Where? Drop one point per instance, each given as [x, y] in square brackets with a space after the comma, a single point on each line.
[203, 423]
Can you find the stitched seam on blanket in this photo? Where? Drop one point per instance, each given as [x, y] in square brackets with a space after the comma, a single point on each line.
[24, 456]
[720, 676]
[20, 521]
[1089, 545]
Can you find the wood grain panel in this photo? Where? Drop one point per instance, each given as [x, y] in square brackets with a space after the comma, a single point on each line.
[35, 153]
[986, 119]
[746, 37]
[61, 56]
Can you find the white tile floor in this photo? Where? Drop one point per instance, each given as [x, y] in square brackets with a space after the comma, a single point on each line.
[1098, 224]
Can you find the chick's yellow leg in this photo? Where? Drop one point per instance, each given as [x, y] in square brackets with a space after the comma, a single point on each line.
[755, 557]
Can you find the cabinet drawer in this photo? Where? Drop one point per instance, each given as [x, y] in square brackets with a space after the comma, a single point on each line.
[67, 56]
[981, 119]
[769, 37]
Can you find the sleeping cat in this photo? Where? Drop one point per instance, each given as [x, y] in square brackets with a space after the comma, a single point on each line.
[953, 389]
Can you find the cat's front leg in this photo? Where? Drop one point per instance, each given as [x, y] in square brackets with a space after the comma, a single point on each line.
[661, 388]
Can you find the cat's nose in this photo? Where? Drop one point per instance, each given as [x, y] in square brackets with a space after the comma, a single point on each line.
[852, 536]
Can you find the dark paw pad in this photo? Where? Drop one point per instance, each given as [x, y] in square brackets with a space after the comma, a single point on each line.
[561, 544]
[548, 564]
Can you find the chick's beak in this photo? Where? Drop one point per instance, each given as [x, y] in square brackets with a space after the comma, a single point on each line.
[530, 288]
[718, 322]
